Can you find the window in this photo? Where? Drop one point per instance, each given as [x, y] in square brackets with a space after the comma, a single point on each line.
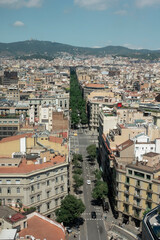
[47, 182]
[62, 178]
[38, 197]
[18, 190]
[0, 190]
[8, 181]
[139, 174]
[56, 190]
[148, 177]
[62, 188]
[127, 179]
[0, 181]
[17, 181]
[38, 209]
[32, 179]
[38, 185]
[130, 171]
[48, 194]
[56, 201]
[32, 188]
[56, 179]
[32, 199]
[8, 190]
[48, 206]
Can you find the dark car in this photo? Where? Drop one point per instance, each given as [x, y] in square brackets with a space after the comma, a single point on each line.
[93, 214]
[105, 206]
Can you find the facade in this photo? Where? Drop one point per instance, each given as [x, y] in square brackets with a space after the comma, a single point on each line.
[34, 184]
[34, 172]
[138, 188]
[9, 125]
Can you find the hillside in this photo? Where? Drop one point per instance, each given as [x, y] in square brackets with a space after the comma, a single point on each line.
[30, 48]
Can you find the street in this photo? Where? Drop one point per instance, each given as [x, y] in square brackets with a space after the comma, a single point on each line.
[92, 229]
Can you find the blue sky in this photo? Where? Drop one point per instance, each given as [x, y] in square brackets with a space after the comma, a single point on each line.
[86, 23]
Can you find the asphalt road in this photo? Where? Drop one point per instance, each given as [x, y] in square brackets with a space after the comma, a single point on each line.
[92, 229]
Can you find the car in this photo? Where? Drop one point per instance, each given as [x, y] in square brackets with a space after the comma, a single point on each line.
[88, 182]
[68, 229]
[93, 214]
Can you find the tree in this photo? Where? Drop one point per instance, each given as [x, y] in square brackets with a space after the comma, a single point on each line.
[77, 171]
[71, 208]
[92, 151]
[78, 180]
[98, 174]
[100, 190]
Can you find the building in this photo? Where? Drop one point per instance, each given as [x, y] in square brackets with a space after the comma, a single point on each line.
[10, 124]
[150, 224]
[34, 172]
[10, 77]
[137, 189]
[40, 227]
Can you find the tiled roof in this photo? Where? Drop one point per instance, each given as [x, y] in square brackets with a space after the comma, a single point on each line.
[16, 217]
[55, 139]
[16, 137]
[125, 145]
[28, 168]
[41, 229]
[94, 85]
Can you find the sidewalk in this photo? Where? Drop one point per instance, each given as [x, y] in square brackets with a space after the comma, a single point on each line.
[109, 221]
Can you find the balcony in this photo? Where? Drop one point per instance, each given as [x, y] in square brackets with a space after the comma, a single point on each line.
[126, 192]
[137, 216]
[127, 183]
[126, 202]
[138, 186]
[135, 205]
[137, 195]
[149, 199]
[149, 189]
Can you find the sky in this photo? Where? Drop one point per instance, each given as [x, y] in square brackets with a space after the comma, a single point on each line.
[85, 23]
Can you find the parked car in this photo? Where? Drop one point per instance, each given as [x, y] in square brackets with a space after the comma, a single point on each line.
[89, 182]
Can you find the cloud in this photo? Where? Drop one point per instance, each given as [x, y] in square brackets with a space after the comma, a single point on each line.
[20, 3]
[121, 12]
[99, 5]
[146, 3]
[18, 24]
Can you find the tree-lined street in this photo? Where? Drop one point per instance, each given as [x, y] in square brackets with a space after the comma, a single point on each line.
[92, 228]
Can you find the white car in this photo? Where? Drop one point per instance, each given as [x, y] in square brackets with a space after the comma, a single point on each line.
[88, 182]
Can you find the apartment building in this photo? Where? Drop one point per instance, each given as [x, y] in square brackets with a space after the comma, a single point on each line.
[95, 102]
[10, 124]
[88, 88]
[137, 188]
[34, 172]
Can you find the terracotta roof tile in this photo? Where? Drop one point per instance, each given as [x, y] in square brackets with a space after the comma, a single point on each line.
[94, 85]
[27, 168]
[16, 137]
[41, 229]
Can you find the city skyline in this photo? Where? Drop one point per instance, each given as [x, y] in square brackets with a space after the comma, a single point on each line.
[84, 23]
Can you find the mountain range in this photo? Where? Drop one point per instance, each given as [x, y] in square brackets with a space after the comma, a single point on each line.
[47, 49]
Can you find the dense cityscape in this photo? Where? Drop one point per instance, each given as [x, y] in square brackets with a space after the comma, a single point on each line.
[79, 148]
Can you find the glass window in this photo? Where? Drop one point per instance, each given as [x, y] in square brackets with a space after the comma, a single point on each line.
[17, 181]
[148, 177]
[9, 190]
[139, 174]
[47, 182]
[61, 177]
[130, 171]
[8, 181]
[18, 190]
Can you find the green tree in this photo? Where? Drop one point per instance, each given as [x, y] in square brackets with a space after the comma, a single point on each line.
[77, 171]
[100, 190]
[78, 181]
[92, 151]
[71, 208]
[98, 174]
